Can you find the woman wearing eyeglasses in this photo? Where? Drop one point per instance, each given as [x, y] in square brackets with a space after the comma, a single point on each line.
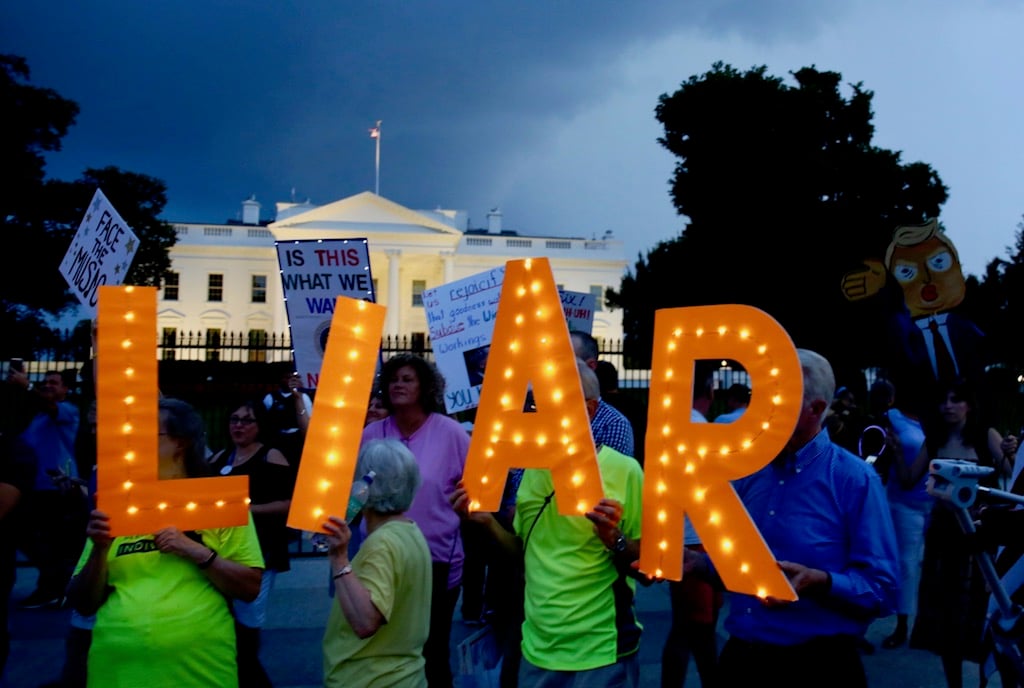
[271, 481]
[159, 598]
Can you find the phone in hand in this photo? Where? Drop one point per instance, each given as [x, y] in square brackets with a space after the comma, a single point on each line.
[18, 364]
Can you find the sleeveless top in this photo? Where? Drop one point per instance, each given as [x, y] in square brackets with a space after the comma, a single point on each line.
[268, 482]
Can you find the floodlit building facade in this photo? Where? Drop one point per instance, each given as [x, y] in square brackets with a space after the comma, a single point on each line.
[225, 277]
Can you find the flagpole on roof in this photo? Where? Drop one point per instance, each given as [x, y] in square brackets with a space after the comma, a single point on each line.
[375, 134]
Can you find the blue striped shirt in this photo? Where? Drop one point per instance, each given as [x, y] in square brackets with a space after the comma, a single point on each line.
[612, 429]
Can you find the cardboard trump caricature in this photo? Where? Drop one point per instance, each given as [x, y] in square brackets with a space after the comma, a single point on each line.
[931, 342]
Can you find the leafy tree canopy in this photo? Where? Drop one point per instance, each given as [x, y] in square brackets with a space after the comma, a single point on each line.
[784, 193]
[39, 216]
[996, 303]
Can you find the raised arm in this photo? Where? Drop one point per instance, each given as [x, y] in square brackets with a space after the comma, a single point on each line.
[508, 540]
[88, 589]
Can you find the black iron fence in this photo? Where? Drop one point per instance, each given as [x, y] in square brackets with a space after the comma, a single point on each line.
[217, 347]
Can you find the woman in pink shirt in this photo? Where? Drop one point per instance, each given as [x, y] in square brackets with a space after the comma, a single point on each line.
[414, 396]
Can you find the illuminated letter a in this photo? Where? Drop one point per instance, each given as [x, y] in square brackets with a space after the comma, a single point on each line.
[531, 347]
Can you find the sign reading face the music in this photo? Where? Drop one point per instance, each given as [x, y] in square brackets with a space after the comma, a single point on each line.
[128, 486]
[531, 349]
[339, 409]
[689, 465]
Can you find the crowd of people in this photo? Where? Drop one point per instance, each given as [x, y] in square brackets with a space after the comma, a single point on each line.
[855, 530]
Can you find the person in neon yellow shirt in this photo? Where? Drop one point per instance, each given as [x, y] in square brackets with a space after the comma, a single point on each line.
[161, 600]
[580, 622]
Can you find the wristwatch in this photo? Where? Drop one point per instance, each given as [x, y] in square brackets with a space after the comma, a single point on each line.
[619, 546]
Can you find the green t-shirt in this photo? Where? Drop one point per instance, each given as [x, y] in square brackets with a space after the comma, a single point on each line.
[393, 563]
[579, 608]
[164, 624]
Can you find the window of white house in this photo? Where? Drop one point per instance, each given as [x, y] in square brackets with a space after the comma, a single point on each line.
[418, 287]
[598, 291]
[213, 343]
[168, 342]
[215, 287]
[259, 288]
[171, 286]
[257, 346]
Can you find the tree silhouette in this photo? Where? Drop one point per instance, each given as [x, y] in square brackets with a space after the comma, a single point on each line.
[783, 193]
[39, 217]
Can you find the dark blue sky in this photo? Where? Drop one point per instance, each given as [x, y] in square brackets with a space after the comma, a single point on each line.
[544, 109]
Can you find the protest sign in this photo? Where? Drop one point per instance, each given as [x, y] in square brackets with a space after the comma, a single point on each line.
[100, 253]
[460, 317]
[314, 274]
[579, 310]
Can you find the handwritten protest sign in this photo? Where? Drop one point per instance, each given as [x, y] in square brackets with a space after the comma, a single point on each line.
[579, 310]
[460, 317]
[100, 254]
[314, 274]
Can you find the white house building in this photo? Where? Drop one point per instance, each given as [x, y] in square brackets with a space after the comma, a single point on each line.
[225, 277]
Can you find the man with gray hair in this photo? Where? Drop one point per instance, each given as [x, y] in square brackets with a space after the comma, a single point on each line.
[823, 513]
[581, 569]
[609, 425]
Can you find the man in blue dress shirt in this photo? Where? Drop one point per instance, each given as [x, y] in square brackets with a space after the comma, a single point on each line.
[824, 515]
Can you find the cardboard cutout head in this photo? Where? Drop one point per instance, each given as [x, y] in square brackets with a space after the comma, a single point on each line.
[925, 263]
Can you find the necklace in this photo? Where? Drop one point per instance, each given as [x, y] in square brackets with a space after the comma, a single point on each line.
[236, 460]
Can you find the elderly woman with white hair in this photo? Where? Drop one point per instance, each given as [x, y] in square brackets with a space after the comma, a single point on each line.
[380, 618]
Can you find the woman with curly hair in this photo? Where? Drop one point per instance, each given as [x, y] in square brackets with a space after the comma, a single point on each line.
[413, 395]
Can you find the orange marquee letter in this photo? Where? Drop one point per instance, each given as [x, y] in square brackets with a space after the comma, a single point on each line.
[128, 486]
[689, 465]
[531, 345]
[339, 409]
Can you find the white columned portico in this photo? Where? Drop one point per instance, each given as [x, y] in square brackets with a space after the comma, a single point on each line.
[448, 260]
[394, 290]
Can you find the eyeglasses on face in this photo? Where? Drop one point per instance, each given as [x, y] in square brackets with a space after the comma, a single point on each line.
[238, 420]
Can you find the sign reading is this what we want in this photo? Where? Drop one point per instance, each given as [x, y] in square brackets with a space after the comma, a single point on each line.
[314, 274]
